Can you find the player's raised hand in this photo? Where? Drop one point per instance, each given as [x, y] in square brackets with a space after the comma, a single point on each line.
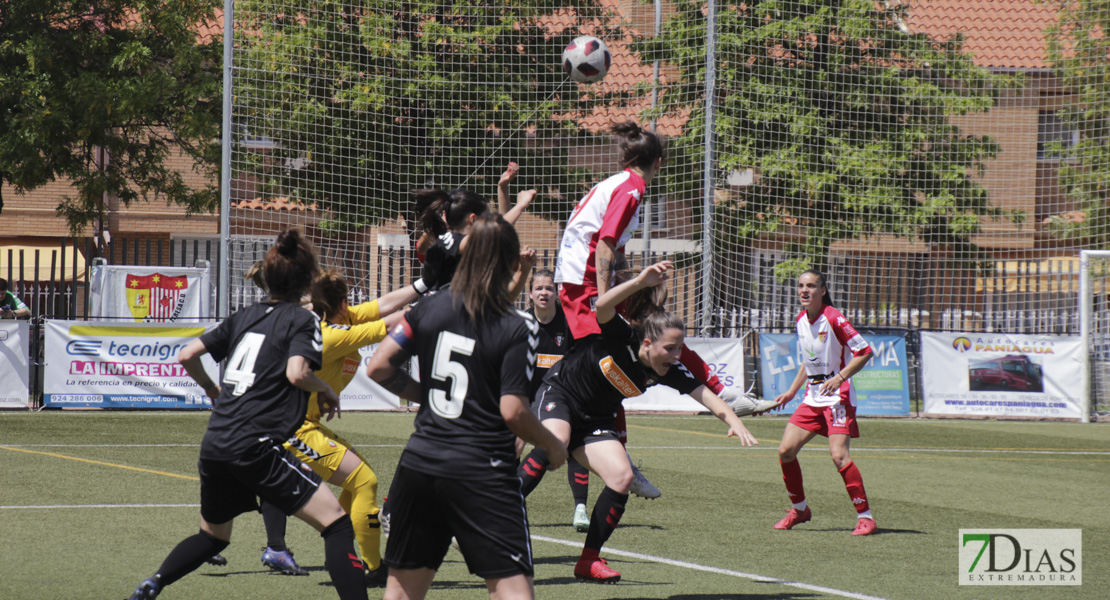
[528, 258]
[509, 174]
[656, 274]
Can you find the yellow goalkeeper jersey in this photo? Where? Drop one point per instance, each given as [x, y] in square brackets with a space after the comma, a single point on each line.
[341, 344]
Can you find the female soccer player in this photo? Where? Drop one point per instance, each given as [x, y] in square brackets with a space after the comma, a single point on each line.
[555, 338]
[272, 348]
[447, 219]
[583, 391]
[457, 474]
[835, 352]
[345, 329]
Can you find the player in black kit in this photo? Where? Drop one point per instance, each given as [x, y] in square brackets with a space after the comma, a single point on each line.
[584, 390]
[457, 474]
[272, 349]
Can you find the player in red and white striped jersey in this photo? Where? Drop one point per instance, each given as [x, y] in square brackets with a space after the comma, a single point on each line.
[832, 351]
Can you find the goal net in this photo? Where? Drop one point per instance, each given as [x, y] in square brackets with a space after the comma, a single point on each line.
[943, 161]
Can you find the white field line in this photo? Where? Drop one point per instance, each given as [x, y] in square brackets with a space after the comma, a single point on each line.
[542, 538]
[707, 569]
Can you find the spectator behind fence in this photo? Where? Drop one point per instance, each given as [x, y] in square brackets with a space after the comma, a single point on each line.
[11, 307]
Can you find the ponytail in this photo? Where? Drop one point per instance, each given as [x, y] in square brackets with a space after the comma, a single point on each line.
[638, 148]
[449, 211]
[328, 293]
[290, 266]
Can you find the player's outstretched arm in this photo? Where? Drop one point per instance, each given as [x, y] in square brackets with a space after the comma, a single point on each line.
[524, 268]
[523, 199]
[385, 368]
[503, 188]
[299, 373]
[649, 277]
[522, 422]
[713, 402]
[796, 385]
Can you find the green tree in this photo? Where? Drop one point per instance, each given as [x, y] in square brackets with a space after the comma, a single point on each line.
[130, 79]
[364, 102]
[843, 114]
[1079, 50]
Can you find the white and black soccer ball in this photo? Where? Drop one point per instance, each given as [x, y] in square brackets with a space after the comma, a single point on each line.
[586, 59]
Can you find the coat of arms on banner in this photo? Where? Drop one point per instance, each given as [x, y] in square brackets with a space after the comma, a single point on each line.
[156, 297]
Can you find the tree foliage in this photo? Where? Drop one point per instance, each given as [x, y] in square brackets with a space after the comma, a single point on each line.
[129, 77]
[844, 117]
[1079, 50]
[367, 101]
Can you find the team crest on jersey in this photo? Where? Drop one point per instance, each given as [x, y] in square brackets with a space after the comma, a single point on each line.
[549, 407]
[305, 468]
[558, 339]
[824, 335]
[331, 443]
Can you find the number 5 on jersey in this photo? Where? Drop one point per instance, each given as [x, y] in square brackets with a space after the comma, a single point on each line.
[444, 369]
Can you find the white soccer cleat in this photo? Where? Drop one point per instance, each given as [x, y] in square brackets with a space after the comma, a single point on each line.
[640, 485]
[581, 519]
[744, 404]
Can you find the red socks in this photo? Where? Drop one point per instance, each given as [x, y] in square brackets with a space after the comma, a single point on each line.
[853, 482]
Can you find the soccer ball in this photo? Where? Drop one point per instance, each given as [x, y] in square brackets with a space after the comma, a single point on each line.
[586, 59]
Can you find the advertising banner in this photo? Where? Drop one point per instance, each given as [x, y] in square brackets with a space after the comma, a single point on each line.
[882, 387]
[122, 365]
[725, 357]
[150, 294]
[997, 374]
[362, 393]
[14, 372]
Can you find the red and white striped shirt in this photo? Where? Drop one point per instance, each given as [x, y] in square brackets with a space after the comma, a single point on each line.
[611, 211]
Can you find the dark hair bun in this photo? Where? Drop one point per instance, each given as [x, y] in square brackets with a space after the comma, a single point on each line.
[626, 129]
[287, 241]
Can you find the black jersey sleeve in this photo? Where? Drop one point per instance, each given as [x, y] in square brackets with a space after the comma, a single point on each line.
[306, 339]
[680, 379]
[617, 329]
[518, 364]
[433, 264]
[217, 340]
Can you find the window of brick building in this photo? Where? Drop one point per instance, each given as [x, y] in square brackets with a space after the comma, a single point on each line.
[1052, 130]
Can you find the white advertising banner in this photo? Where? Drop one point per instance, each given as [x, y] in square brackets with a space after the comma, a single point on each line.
[14, 372]
[362, 393]
[996, 374]
[725, 357]
[122, 365]
[150, 294]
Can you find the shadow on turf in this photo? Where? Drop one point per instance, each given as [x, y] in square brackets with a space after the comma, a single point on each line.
[567, 527]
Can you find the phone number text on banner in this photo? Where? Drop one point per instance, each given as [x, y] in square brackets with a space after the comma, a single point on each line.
[122, 365]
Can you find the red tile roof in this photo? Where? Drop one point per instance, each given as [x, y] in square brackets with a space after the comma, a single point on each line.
[999, 33]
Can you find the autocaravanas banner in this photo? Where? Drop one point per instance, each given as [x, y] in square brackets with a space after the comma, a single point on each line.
[725, 357]
[121, 365]
[998, 374]
[150, 294]
[14, 373]
[882, 387]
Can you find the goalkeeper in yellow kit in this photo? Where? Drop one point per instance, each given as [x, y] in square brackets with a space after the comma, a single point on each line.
[346, 329]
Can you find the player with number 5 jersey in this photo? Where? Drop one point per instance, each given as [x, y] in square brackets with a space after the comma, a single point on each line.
[457, 474]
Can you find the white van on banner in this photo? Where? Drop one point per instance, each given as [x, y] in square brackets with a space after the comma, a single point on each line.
[14, 372]
[122, 365]
[725, 357]
[998, 374]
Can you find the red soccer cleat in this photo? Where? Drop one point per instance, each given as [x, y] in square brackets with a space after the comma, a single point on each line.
[865, 527]
[793, 517]
[596, 570]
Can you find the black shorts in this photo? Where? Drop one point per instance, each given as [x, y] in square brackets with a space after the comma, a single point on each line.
[487, 517]
[269, 471]
[553, 403]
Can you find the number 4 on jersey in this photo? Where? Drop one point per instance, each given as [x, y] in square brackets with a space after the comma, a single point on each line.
[240, 367]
